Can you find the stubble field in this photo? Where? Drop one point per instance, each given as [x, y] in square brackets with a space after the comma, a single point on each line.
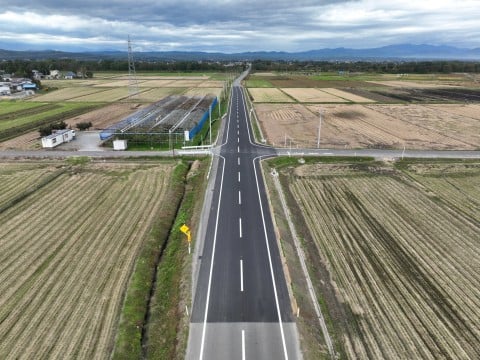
[69, 239]
[434, 126]
[400, 246]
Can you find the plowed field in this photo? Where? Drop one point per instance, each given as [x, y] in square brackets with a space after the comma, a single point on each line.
[402, 252]
[67, 250]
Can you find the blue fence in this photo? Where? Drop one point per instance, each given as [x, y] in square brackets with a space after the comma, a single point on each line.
[204, 118]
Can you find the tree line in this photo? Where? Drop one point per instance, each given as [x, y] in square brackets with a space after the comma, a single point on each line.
[25, 67]
[389, 67]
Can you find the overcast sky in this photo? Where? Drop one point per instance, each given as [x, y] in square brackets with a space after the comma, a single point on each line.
[236, 26]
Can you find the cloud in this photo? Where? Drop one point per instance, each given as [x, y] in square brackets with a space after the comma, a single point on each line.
[247, 25]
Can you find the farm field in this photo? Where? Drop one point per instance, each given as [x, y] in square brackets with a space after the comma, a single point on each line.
[393, 250]
[412, 126]
[66, 94]
[268, 95]
[21, 121]
[312, 95]
[67, 250]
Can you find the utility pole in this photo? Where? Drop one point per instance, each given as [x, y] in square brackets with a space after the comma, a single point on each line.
[319, 129]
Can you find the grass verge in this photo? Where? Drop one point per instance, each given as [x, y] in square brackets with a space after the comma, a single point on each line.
[167, 332]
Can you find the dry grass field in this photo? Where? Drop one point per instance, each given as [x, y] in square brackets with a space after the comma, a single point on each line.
[68, 243]
[63, 94]
[376, 125]
[312, 95]
[398, 246]
[268, 95]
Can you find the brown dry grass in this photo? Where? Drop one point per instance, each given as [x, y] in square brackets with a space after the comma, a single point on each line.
[312, 95]
[268, 95]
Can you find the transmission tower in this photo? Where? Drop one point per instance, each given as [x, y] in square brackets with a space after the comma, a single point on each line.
[132, 76]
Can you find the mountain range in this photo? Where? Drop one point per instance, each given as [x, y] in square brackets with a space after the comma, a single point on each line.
[400, 52]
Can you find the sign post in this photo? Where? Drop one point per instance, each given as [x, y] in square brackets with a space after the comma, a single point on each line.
[186, 230]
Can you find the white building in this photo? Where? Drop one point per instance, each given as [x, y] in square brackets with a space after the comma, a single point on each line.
[5, 90]
[58, 138]
[119, 144]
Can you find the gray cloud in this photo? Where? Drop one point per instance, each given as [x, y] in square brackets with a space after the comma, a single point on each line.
[231, 26]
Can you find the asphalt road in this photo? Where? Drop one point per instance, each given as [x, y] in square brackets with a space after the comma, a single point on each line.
[241, 307]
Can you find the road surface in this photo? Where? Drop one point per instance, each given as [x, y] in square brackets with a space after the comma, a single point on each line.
[241, 308]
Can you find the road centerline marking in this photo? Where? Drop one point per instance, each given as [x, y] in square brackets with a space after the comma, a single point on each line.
[238, 161]
[241, 275]
[239, 176]
[240, 226]
[239, 197]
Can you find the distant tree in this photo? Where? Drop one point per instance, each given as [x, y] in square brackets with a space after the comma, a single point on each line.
[48, 129]
[83, 125]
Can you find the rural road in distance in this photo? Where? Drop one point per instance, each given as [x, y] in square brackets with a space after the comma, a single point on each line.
[241, 308]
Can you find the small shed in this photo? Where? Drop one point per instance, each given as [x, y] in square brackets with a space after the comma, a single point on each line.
[119, 144]
[57, 138]
[5, 90]
[70, 75]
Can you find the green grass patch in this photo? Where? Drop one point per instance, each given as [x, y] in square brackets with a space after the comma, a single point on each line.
[7, 107]
[256, 82]
[78, 160]
[284, 161]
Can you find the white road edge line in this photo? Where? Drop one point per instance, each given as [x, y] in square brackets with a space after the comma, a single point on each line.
[211, 264]
[270, 261]
[241, 275]
[240, 226]
[243, 345]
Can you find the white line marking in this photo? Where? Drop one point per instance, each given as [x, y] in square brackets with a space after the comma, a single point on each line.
[211, 264]
[238, 148]
[243, 345]
[239, 197]
[238, 139]
[241, 275]
[239, 176]
[240, 226]
[270, 262]
[238, 132]
[238, 161]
